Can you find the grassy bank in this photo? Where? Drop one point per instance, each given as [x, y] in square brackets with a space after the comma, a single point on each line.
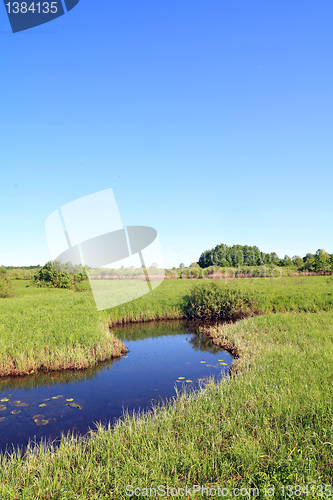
[45, 329]
[50, 329]
[271, 425]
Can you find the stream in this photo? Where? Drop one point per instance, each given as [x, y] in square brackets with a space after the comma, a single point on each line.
[162, 356]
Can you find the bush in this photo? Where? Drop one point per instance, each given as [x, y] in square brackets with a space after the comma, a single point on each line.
[215, 301]
[5, 285]
[50, 276]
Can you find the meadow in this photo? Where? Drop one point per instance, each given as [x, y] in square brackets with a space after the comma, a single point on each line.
[269, 424]
[52, 329]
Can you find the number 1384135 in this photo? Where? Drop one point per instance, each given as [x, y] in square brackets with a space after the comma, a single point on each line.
[32, 7]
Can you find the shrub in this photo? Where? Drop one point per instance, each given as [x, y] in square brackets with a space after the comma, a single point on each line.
[213, 301]
[50, 276]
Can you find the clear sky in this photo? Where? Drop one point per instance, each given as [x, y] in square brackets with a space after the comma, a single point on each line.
[212, 121]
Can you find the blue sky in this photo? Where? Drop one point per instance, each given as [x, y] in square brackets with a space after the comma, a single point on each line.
[211, 120]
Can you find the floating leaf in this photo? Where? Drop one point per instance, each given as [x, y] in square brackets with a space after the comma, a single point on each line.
[43, 404]
[4, 399]
[57, 397]
[47, 399]
[2, 419]
[14, 412]
[2, 407]
[75, 405]
[71, 399]
[20, 403]
[202, 361]
[181, 378]
[220, 360]
[189, 380]
[40, 422]
[225, 364]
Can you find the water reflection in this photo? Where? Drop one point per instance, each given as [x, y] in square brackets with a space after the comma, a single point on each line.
[161, 356]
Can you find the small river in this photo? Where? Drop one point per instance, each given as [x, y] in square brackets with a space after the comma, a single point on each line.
[162, 357]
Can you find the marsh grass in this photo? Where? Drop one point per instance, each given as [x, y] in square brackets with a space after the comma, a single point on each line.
[49, 329]
[271, 424]
[52, 329]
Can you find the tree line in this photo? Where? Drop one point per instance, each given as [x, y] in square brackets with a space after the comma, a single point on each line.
[244, 255]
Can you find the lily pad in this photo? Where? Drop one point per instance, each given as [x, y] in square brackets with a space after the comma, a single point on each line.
[4, 399]
[75, 405]
[40, 420]
[14, 412]
[2, 407]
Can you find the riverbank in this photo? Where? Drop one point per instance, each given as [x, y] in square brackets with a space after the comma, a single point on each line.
[50, 329]
[271, 425]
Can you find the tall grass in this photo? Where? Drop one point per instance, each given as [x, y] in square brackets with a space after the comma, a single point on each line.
[49, 329]
[271, 425]
[57, 329]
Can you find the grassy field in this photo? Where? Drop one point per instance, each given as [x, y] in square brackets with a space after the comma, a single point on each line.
[270, 425]
[45, 328]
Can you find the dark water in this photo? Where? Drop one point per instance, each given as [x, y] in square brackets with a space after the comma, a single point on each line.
[74, 401]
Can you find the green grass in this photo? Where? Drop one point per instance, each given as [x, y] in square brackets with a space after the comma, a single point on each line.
[271, 424]
[308, 294]
[52, 329]
[45, 328]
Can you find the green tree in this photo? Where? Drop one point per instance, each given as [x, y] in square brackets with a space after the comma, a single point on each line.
[297, 261]
[322, 261]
